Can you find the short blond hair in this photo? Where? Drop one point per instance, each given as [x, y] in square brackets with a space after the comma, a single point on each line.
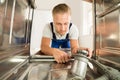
[61, 8]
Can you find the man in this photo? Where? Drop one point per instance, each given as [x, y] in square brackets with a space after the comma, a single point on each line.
[60, 33]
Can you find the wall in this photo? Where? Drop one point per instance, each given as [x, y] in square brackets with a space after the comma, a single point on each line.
[47, 4]
[86, 36]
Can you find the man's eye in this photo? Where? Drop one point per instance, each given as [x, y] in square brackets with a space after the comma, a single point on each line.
[66, 24]
[59, 24]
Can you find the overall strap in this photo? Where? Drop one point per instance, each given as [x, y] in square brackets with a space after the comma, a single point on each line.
[67, 36]
[53, 34]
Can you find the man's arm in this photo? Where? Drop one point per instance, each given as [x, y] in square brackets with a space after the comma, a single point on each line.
[45, 46]
[74, 45]
[60, 56]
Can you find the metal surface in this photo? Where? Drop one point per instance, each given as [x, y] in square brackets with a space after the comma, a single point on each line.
[79, 67]
[11, 66]
[106, 71]
[13, 23]
[50, 70]
[107, 38]
[12, 59]
[108, 28]
[14, 47]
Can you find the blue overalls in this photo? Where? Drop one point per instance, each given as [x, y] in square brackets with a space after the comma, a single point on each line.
[63, 43]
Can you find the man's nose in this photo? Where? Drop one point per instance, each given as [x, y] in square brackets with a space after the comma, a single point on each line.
[62, 27]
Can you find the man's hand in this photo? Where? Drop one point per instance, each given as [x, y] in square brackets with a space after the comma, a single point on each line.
[61, 56]
[89, 52]
[74, 51]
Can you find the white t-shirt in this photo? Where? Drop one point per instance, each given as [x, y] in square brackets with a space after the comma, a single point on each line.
[73, 32]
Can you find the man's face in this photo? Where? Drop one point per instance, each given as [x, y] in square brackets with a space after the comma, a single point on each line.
[61, 22]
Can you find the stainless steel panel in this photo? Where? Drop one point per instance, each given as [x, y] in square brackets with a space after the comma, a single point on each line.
[111, 36]
[6, 23]
[11, 66]
[108, 28]
[2, 14]
[110, 3]
[14, 23]
[13, 39]
[106, 5]
[108, 31]
[49, 70]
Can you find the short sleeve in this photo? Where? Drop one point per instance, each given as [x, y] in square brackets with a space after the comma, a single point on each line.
[47, 31]
[73, 33]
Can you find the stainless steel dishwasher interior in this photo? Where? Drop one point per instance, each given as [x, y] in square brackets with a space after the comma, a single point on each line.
[45, 68]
